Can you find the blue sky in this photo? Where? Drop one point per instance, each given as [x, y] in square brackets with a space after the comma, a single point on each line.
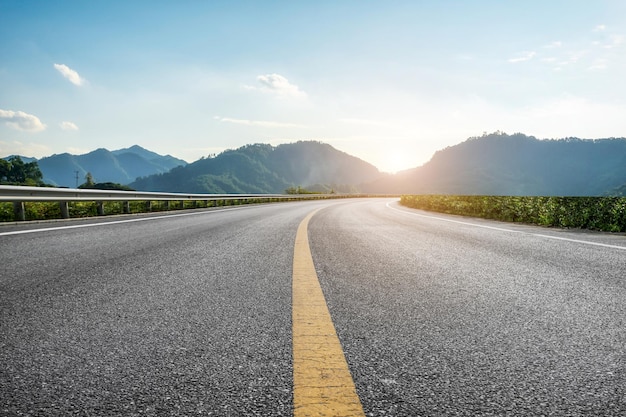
[390, 82]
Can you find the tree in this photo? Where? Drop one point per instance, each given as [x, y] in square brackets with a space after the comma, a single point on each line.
[32, 174]
[5, 169]
[89, 182]
[15, 171]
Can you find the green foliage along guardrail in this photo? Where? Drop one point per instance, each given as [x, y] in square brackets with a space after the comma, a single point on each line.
[595, 213]
[51, 210]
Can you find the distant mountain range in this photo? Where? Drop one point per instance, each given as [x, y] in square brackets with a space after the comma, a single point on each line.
[492, 164]
[262, 168]
[121, 166]
[501, 164]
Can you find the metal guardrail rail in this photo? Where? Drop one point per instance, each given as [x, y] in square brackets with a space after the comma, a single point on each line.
[25, 193]
[18, 195]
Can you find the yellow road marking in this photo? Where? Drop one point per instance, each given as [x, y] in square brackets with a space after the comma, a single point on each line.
[322, 384]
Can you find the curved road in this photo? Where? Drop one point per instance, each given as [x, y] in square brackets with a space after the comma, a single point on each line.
[191, 313]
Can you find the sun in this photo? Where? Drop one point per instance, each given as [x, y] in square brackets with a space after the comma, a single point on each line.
[395, 161]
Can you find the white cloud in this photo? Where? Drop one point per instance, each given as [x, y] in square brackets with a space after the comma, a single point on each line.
[76, 151]
[68, 126]
[70, 74]
[598, 65]
[279, 85]
[614, 41]
[524, 56]
[34, 150]
[261, 123]
[572, 58]
[22, 121]
[599, 28]
[576, 56]
[555, 44]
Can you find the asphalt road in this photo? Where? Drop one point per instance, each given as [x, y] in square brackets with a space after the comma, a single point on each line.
[191, 314]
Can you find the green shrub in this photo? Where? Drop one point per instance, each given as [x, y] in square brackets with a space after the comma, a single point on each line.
[595, 213]
[6, 212]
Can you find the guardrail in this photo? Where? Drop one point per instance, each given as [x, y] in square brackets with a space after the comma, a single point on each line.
[18, 195]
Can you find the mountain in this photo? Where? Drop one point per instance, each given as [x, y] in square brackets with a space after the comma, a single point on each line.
[262, 168]
[152, 157]
[25, 159]
[492, 164]
[501, 164]
[121, 166]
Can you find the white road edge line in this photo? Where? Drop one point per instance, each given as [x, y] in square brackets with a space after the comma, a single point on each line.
[585, 242]
[141, 219]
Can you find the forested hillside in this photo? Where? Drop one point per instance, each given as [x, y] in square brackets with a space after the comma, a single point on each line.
[492, 164]
[262, 168]
[120, 166]
[501, 164]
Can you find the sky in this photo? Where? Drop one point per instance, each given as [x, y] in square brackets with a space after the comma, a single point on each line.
[390, 82]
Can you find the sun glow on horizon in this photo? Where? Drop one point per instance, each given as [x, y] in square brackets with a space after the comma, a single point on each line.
[398, 160]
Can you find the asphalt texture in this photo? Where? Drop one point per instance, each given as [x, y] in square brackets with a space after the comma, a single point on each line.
[444, 318]
[183, 316]
[191, 315]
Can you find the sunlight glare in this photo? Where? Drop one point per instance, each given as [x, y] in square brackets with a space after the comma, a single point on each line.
[397, 160]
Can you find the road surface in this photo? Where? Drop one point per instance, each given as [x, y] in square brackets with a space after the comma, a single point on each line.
[191, 313]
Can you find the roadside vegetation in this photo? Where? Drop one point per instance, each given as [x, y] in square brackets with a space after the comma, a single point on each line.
[300, 190]
[90, 184]
[594, 213]
[51, 210]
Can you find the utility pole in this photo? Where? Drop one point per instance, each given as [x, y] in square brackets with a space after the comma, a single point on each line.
[76, 172]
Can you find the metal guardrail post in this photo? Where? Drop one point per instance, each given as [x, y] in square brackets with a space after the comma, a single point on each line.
[148, 205]
[65, 209]
[19, 212]
[126, 207]
[100, 208]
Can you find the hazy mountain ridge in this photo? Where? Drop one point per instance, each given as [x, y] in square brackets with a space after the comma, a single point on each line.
[492, 164]
[119, 166]
[263, 168]
[501, 164]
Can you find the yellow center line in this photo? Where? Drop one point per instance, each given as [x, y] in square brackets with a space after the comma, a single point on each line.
[322, 384]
